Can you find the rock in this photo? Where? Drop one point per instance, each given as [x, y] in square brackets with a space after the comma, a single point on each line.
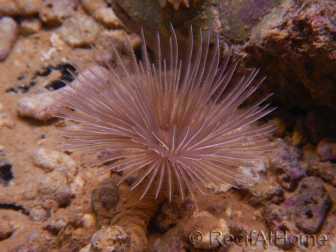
[33, 243]
[80, 30]
[321, 124]
[106, 17]
[187, 208]
[20, 7]
[40, 106]
[50, 160]
[312, 205]
[110, 239]
[54, 12]
[279, 219]
[46, 56]
[326, 149]
[228, 212]
[56, 41]
[55, 225]
[169, 242]
[135, 41]
[5, 120]
[285, 242]
[253, 176]
[92, 73]
[203, 222]
[175, 3]
[86, 248]
[8, 8]
[39, 213]
[8, 36]
[304, 34]
[119, 40]
[236, 228]
[28, 7]
[324, 170]
[92, 6]
[281, 127]
[6, 229]
[104, 201]
[276, 215]
[299, 136]
[77, 185]
[55, 186]
[284, 120]
[30, 26]
[297, 35]
[167, 216]
[235, 21]
[88, 221]
[286, 166]
[267, 190]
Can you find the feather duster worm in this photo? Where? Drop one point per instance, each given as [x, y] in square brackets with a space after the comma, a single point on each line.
[173, 124]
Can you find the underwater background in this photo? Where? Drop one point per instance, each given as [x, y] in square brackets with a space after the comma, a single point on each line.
[52, 200]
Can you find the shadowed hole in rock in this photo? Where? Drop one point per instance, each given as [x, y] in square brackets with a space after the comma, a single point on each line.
[279, 172]
[283, 227]
[54, 85]
[45, 71]
[6, 174]
[14, 207]
[286, 179]
[57, 84]
[309, 214]
[22, 89]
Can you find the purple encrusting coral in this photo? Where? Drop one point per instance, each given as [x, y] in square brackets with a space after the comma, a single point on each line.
[173, 124]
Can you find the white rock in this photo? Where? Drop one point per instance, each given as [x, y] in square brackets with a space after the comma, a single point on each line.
[89, 220]
[86, 248]
[54, 160]
[39, 106]
[77, 185]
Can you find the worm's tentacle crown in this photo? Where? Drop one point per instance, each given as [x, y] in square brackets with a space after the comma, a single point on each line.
[174, 123]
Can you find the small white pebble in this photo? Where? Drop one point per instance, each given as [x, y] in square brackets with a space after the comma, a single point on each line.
[77, 185]
[89, 220]
[86, 248]
[5, 120]
[56, 41]
[50, 160]
[228, 212]
[48, 55]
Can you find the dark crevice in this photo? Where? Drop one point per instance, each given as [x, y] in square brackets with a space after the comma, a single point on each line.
[6, 174]
[22, 89]
[45, 71]
[14, 207]
[54, 85]
[309, 214]
[66, 76]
